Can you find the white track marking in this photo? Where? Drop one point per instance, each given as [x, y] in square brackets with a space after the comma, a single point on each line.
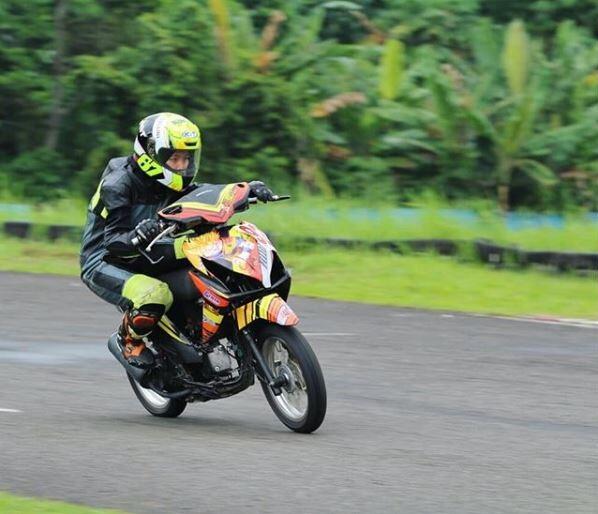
[544, 320]
[10, 410]
[567, 322]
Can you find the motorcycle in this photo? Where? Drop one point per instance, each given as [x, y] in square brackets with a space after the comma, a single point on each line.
[230, 321]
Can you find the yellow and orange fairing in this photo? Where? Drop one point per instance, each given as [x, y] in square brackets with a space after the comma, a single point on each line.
[271, 308]
[211, 322]
[238, 250]
[213, 296]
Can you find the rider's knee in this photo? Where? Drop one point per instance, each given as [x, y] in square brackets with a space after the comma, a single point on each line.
[148, 293]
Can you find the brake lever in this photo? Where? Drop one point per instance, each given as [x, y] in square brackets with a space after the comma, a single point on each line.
[145, 252]
[167, 231]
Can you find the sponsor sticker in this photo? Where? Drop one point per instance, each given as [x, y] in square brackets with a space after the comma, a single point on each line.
[212, 297]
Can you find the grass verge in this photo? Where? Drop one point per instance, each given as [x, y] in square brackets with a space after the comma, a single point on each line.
[315, 217]
[11, 504]
[422, 281]
[432, 282]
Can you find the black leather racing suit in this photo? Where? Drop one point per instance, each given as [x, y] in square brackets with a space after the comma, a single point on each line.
[124, 197]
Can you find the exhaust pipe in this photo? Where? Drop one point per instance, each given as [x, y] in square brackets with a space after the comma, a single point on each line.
[137, 373]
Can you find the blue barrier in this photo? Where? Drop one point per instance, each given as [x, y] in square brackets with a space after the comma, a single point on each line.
[513, 220]
[16, 208]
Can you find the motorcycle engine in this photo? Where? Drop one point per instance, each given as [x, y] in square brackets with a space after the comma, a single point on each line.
[222, 360]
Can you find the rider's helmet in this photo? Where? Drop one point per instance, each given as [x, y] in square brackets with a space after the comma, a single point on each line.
[160, 136]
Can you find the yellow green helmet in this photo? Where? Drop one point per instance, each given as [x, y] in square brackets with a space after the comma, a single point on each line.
[162, 135]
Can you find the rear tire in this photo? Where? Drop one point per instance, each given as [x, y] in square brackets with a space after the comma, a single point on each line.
[302, 404]
[155, 404]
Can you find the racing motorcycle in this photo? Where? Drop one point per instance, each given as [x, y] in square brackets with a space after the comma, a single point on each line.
[230, 321]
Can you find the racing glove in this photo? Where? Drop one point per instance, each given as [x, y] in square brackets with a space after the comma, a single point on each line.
[146, 231]
[258, 189]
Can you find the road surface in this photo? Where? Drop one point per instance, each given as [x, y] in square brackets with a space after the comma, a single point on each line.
[428, 412]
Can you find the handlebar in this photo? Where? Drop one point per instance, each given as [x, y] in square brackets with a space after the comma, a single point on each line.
[275, 198]
[171, 227]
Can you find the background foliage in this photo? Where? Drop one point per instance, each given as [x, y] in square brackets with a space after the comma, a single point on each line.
[380, 100]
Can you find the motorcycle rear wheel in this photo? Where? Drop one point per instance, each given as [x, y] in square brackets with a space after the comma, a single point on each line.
[302, 404]
[155, 404]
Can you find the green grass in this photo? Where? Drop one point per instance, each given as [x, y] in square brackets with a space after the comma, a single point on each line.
[10, 504]
[63, 212]
[432, 282]
[316, 219]
[319, 218]
[59, 258]
[424, 281]
[576, 236]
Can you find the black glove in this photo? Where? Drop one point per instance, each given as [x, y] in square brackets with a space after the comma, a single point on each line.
[258, 190]
[146, 231]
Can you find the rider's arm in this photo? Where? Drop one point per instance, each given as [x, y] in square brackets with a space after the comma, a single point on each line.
[118, 230]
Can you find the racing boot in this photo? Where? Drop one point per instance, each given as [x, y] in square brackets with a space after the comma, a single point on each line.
[136, 325]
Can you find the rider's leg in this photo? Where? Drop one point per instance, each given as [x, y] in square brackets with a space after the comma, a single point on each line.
[149, 299]
[142, 298]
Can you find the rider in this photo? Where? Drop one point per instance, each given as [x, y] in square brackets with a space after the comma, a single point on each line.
[122, 211]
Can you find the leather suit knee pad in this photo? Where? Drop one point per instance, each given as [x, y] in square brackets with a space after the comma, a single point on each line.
[142, 290]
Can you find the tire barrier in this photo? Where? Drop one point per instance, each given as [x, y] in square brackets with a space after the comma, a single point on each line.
[483, 250]
[26, 230]
[563, 260]
[68, 232]
[17, 229]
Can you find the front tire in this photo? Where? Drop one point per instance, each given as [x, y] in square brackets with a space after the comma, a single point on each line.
[302, 404]
[155, 404]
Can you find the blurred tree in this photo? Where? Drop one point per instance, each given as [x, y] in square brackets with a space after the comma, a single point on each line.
[26, 82]
[443, 23]
[380, 99]
[543, 15]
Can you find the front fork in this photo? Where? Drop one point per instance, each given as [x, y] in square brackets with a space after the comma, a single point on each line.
[275, 383]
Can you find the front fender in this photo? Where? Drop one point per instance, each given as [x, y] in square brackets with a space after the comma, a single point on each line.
[271, 308]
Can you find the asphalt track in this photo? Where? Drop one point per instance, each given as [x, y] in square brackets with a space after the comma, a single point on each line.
[428, 413]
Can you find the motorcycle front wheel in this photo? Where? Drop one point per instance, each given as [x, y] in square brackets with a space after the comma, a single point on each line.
[302, 404]
[155, 404]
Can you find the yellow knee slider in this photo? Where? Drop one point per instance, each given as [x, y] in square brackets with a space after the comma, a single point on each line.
[142, 290]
